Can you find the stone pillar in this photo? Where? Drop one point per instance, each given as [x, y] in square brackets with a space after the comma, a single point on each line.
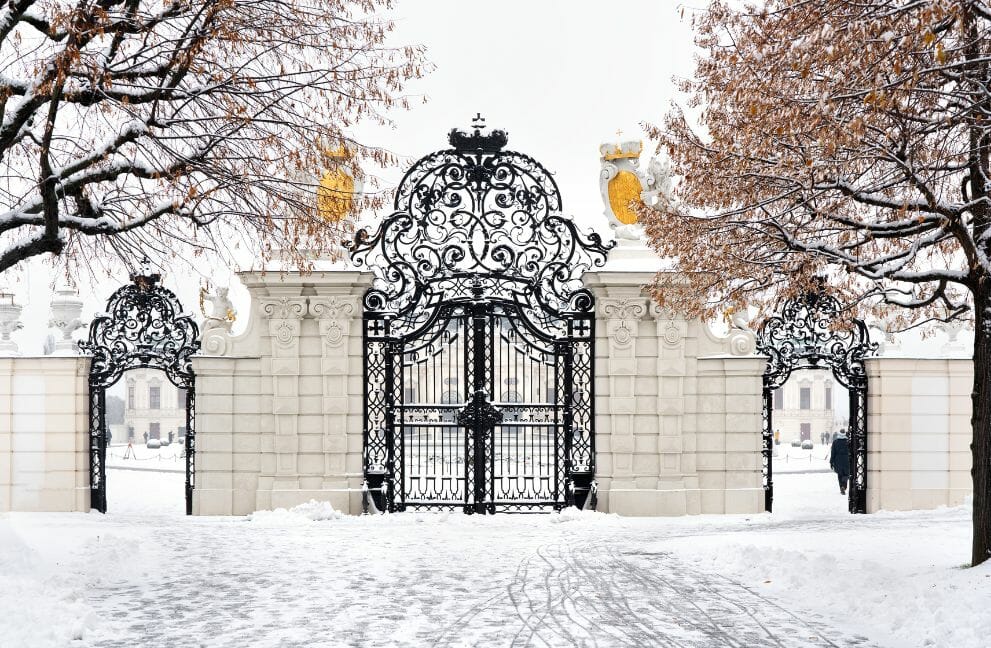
[678, 409]
[279, 413]
[676, 442]
[285, 315]
[918, 432]
[339, 322]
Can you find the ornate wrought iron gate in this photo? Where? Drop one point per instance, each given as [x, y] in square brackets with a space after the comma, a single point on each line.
[478, 337]
[142, 328]
[808, 335]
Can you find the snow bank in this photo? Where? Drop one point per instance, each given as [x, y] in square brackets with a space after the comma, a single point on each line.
[306, 513]
[910, 600]
[38, 608]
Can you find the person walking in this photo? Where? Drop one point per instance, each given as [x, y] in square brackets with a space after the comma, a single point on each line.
[839, 458]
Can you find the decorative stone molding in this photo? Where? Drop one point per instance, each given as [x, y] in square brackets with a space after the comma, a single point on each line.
[214, 342]
[285, 308]
[334, 315]
[670, 331]
[622, 315]
[284, 319]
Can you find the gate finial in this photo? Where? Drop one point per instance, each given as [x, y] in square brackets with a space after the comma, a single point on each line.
[476, 142]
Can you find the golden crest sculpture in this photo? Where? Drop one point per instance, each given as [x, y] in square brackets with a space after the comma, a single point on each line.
[337, 188]
[625, 187]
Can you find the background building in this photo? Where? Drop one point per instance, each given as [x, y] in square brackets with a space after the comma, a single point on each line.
[153, 406]
[809, 404]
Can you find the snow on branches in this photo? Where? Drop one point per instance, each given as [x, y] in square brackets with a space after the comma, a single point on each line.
[129, 127]
[832, 138]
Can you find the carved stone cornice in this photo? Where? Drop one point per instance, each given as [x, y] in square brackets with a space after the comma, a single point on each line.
[284, 308]
[623, 308]
[334, 314]
[284, 319]
[622, 315]
[334, 307]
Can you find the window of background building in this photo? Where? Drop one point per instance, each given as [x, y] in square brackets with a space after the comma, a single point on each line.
[805, 398]
[806, 431]
[182, 399]
[779, 399]
[155, 397]
[154, 430]
[829, 398]
[130, 395]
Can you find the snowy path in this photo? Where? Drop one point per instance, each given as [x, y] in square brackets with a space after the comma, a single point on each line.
[813, 577]
[413, 581]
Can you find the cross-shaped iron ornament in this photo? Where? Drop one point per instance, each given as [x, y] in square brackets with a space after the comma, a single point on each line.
[376, 327]
[582, 328]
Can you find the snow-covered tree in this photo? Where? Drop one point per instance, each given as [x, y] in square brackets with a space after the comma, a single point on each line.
[133, 127]
[846, 140]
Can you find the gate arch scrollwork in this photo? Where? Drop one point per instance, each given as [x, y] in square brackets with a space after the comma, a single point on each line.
[810, 332]
[477, 267]
[143, 328]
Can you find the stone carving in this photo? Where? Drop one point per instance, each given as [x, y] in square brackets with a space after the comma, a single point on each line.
[222, 312]
[624, 186]
[285, 308]
[624, 308]
[284, 316]
[66, 313]
[10, 321]
[672, 334]
[621, 184]
[334, 314]
[621, 316]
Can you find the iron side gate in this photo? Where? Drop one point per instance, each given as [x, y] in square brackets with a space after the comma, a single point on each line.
[143, 328]
[808, 334]
[479, 339]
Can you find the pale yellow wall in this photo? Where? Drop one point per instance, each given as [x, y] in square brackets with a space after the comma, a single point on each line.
[44, 447]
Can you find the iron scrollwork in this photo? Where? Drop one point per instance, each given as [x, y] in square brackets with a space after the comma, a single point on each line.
[477, 274]
[142, 328]
[811, 333]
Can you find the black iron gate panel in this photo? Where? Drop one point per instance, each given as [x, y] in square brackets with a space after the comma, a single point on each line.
[809, 334]
[479, 338]
[143, 328]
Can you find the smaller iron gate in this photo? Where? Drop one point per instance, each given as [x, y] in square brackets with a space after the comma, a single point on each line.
[143, 328]
[809, 334]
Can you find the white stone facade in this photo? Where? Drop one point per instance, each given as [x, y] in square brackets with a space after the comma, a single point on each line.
[678, 410]
[44, 434]
[279, 408]
[919, 432]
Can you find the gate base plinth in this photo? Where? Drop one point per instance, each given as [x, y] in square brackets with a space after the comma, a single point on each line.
[584, 491]
[374, 500]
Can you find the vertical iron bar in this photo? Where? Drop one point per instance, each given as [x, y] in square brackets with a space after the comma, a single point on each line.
[190, 443]
[767, 452]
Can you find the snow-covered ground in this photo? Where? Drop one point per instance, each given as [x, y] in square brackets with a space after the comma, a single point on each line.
[807, 575]
[789, 459]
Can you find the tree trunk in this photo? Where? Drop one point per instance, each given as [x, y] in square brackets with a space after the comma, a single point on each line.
[981, 422]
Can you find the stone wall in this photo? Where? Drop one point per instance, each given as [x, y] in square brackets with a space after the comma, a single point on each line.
[919, 432]
[279, 407]
[44, 434]
[678, 410]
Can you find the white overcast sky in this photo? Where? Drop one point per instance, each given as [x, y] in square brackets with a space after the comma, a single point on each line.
[560, 76]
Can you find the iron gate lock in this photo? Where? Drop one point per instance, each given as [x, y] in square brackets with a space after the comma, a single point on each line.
[479, 412]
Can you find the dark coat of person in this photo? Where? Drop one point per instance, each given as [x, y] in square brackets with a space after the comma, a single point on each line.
[839, 456]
